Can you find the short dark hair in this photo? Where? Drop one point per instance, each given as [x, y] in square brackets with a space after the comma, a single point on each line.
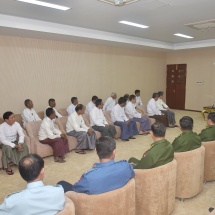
[158, 129]
[26, 102]
[136, 91]
[94, 98]
[132, 97]
[154, 95]
[98, 102]
[105, 147]
[7, 114]
[73, 99]
[79, 107]
[49, 112]
[160, 93]
[51, 100]
[121, 100]
[186, 123]
[126, 96]
[211, 116]
[30, 167]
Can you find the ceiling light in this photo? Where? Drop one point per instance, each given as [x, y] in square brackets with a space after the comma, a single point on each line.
[45, 4]
[133, 24]
[119, 2]
[183, 35]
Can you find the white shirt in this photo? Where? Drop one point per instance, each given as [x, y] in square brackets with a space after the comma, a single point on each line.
[109, 104]
[152, 108]
[97, 117]
[70, 109]
[118, 114]
[89, 107]
[29, 115]
[47, 130]
[161, 105]
[8, 134]
[131, 111]
[76, 122]
[138, 101]
[56, 113]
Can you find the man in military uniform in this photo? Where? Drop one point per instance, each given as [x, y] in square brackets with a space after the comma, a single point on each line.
[36, 198]
[160, 153]
[187, 140]
[208, 134]
[105, 176]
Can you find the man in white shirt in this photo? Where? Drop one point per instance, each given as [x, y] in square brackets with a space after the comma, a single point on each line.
[138, 99]
[52, 104]
[91, 104]
[98, 121]
[110, 102]
[71, 107]
[128, 127]
[136, 116]
[76, 127]
[12, 150]
[53, 137]
[29, 114]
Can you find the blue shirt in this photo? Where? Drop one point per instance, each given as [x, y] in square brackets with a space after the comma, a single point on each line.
[104, 177]
[36, 199]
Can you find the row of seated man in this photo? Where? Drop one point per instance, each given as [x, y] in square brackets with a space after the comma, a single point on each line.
[107, 175]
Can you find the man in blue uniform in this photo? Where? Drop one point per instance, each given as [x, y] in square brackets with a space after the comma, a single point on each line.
[104, 176]
[36, 198]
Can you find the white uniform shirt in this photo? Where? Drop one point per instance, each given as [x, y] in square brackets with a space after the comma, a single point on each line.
[47, 130]
[161, 105]
[70, 109]
[118, 114]
[8, 134]
[152, 108]
[56, 113]
[131, 111]
[138, 101]
[89, 107]
[97, 117]
[109, 104]
[76, 122]
[29, 115]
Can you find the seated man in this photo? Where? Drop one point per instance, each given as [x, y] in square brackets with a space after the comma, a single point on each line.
[136, 116]
[72, 106]
[128, 127]
[98, 121]
[13, 149]
[138, 98]
[76, 127]
[208, 134]
[165, 110]
[48, 134]
[105, 176]
[52, 104]
[110, 102]
[36, 198]
[91, 104]
[187, 140]
[29, 114]
[160, 153]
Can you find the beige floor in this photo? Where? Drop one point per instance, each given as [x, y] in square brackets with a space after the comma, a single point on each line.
[77, 164]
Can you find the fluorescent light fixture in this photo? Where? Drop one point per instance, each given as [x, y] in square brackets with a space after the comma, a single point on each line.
[183, 35]
[45, 4]
[133, 24]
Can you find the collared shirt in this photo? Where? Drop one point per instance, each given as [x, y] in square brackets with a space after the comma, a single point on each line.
[8, 134]
[104, 177]
[131, 111]
[47, 130]
[97, 117]
[118, 114]
[161, 105]
[152, 108]
[29, 115]
[56, 113]
[109, 104]
[89, 107]
[138, 101]
[35, 199]
[70, 109]
[76, 122]
[208, 134]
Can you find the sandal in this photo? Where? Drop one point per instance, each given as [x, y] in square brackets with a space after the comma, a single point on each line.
[9, 172]
[80, 152]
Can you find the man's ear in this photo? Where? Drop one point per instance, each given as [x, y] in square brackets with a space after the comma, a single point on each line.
[114, 153]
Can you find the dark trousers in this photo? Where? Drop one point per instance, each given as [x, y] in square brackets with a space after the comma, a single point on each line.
[161, 118]
[66, 186]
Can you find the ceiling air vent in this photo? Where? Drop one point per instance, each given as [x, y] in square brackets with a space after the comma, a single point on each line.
[118, 2]
[203, 26]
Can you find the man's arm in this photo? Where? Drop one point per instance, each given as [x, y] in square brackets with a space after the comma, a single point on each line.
[82, 186]
[20, 132]
[4, 140]
[146, 161]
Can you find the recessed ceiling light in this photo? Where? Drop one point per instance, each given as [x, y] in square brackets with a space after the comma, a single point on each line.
[45, 4]
[133, 24]
[183, 35]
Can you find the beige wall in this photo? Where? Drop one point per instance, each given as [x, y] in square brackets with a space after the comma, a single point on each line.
[41, 69]
[200, 67]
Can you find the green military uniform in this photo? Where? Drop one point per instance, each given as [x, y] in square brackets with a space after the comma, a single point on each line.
[186, 141]
[208, 134]
[160, 153]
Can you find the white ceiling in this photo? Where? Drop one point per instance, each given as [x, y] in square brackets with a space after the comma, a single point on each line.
[97, 22]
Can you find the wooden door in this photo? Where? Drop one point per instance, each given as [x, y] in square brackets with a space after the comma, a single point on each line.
[176, 86]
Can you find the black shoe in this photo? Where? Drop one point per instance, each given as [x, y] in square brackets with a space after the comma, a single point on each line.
[125, 139]
[211, 209]
[132, 137]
